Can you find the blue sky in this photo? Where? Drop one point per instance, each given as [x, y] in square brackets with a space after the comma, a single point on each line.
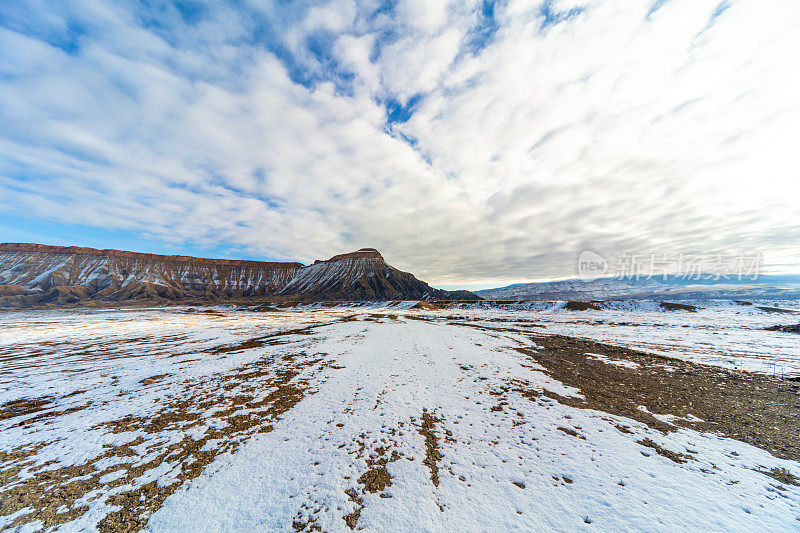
[474, 143]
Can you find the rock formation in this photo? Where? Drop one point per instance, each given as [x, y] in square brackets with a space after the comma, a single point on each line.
[36, 274]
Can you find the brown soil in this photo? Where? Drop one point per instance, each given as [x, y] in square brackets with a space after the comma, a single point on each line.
[571, 432]
[273, 339]
[678, 457]
[264, 308]
[24, 406]
[47, 490]
[375, 479]
[426, 305]
[432, 454]
[153, 379]
[11, 290]
[782, 475]
[755, 409]
[352, 519]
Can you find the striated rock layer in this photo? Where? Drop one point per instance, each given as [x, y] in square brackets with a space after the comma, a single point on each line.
[36, 274]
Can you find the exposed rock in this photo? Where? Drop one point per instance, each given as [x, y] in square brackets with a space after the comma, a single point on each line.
[795, 328]
[580, 306]
[670, 306]
[11, 290]
[779, 310]
[426, 305]
[362, 253]
[40, 275]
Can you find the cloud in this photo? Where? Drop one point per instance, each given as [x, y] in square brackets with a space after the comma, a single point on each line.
[538, 129]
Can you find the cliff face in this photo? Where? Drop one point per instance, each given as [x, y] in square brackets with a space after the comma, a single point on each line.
[35, 274]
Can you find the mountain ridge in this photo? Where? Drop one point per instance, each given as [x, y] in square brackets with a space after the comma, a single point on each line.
[111, 252]
[44, 275]
[671, 287]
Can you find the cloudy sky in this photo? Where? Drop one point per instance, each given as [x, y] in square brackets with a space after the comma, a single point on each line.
[474, 143]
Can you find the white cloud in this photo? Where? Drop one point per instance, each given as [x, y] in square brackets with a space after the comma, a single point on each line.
[411, 66]
[354, 54]
[609, 130]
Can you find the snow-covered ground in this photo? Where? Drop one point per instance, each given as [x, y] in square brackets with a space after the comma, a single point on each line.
[372, 417]
[719, 332]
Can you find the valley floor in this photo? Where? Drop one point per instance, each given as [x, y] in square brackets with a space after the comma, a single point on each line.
[379, 419]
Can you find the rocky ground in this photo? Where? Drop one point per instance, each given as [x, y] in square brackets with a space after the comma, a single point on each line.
[378, 419]
[792, 328]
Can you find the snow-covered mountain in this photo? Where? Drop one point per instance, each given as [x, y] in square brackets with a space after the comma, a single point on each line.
[764, 287]
[35, 274]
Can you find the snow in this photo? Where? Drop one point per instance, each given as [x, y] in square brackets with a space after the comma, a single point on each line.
[610, 361]
[399, 368]
[506, 460]
[720, 332]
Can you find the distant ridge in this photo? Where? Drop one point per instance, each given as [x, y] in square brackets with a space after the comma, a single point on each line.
[42, 275]
[671, 287]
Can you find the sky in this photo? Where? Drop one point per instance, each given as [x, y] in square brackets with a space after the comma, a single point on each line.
[474, 143]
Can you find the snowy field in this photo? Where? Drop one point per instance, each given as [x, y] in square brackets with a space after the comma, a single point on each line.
[381, 418]
[725, 333]
[718, 332]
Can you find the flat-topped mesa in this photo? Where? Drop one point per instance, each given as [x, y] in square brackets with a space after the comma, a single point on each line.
[37, 274]
[361, 253]
[83, 250]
